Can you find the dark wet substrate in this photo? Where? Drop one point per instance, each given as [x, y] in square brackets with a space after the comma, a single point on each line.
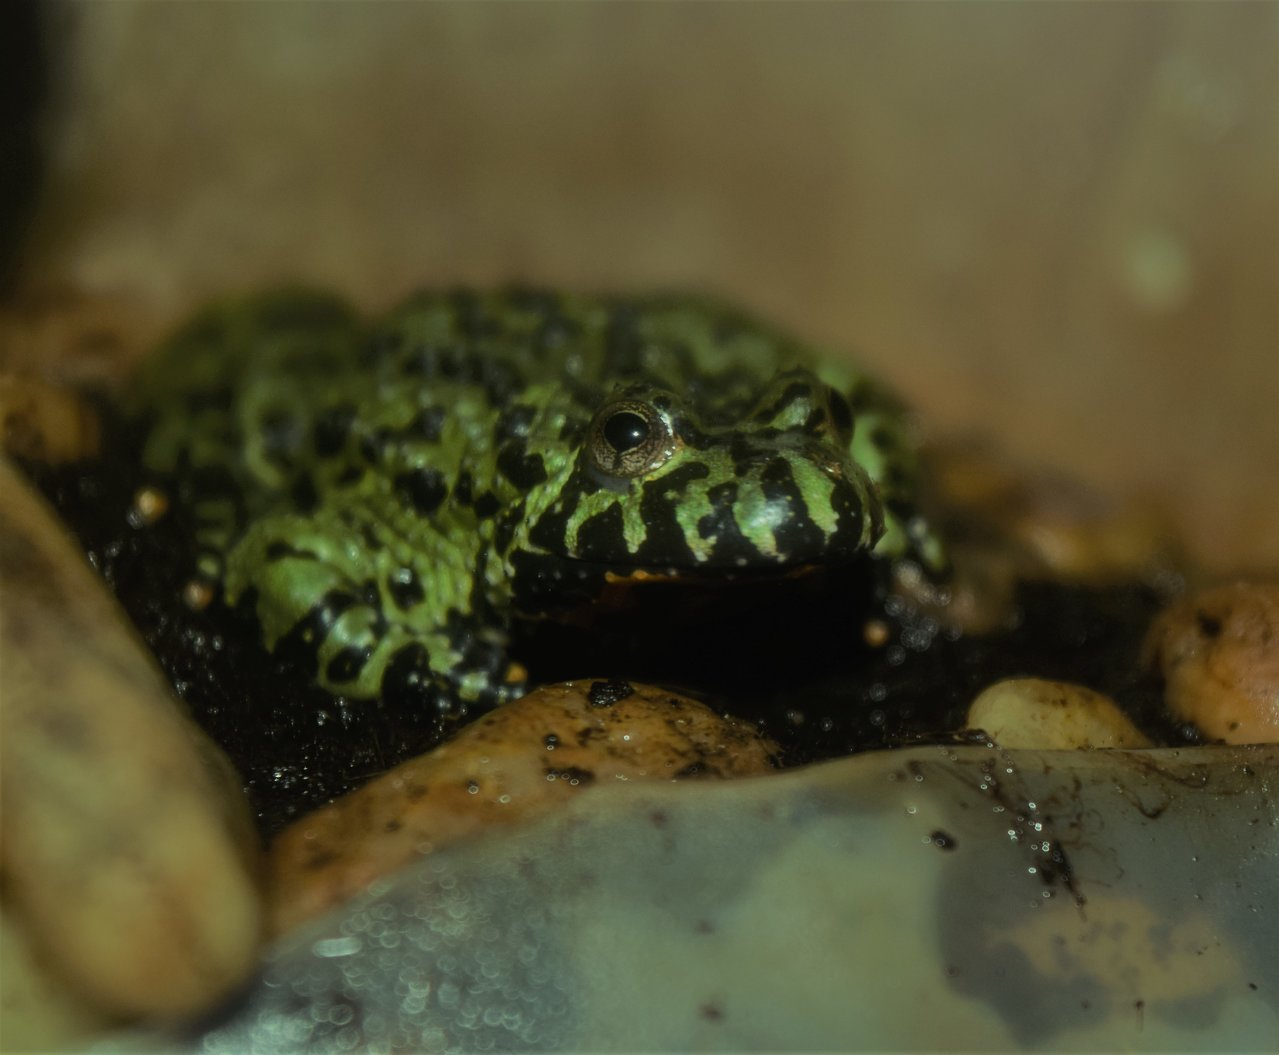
[790, 655]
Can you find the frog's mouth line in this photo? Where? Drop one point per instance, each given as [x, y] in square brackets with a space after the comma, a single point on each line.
[622, 577]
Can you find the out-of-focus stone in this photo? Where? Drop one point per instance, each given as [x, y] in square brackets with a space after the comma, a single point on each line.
[1056, 527]
[509, 765]
[931, 899]
[1218, 653]
[1051, 715]
[37, 1012]
[128, 859]
[43, 422]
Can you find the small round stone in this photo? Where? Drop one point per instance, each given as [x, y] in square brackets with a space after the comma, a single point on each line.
[1218, 654]
[1050, 715]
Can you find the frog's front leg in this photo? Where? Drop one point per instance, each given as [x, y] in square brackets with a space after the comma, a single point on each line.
[360, 623]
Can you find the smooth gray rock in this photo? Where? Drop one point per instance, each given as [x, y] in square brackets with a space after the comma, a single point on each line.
[931, 899]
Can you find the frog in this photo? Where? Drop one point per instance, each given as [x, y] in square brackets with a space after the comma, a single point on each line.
[383, 497]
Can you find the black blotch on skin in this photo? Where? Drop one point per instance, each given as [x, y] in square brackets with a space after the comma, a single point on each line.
[498, 378]
[386, 437]
[280, 550]
[369, 592]
[479, 651]
[690, 435]
[347, 664]
[462, 489]
[730, 543]
[720, 519]
[797, 534]
[405, 589]
[514, 423]
[352, 474]
[524, 470]
[664, 539]
[742, 452]
[486, 505]
[331, 429]
[792, 393]
[607, 693]
[305, 497]
[407, 680]
[504, 531]
[600, 537]
[301, 645]
[423, 490]
[281, 437]
[848, 519]
[571, 432]
[815, 420]
[427, 424]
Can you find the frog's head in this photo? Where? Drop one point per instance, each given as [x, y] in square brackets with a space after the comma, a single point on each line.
[706, 478]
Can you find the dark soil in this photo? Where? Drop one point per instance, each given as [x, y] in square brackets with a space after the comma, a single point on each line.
[790, 655]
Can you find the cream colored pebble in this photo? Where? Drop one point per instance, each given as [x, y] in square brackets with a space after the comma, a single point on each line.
[1047, 715]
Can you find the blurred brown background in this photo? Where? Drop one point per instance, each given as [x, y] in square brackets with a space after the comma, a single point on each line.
[1053, 225]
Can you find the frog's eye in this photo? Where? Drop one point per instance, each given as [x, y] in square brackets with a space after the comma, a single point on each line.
[629, 438]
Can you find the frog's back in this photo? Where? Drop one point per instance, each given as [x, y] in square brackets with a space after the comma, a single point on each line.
[387, 493]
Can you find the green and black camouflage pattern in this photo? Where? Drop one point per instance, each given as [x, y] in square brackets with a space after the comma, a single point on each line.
[384, 498]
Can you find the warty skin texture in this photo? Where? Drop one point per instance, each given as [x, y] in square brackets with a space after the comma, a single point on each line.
[384, 497]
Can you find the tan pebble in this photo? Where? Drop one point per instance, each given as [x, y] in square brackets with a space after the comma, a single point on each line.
[1050, 715]
[509, 765]
[129, 860]
[1054, 527]
[43, 422]
[1218, 653]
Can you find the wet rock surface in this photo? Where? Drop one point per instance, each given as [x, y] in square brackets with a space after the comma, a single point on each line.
[930, 899]
[513, 764]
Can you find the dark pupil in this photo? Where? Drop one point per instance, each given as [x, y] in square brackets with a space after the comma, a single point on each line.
[625, 430]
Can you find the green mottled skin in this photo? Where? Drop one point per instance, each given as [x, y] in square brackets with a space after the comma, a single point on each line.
[385, 497]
